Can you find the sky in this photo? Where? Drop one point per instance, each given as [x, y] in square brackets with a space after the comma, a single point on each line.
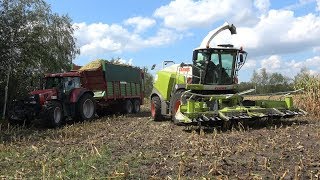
[281, 36]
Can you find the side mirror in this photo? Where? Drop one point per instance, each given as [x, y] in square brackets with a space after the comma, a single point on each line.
[153, 66]
[241, 58]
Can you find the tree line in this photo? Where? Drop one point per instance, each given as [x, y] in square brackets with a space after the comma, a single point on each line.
[264, 82]
[33, 41]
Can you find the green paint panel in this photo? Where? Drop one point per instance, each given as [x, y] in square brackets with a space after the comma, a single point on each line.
[195, 86]
[271, 104]
[138, 89]
[165, 82]
[128, 89]
[133, 88]
[116, 72]
[123, 89]
[110, 89]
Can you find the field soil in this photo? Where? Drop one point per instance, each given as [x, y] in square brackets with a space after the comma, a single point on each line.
[135, 147]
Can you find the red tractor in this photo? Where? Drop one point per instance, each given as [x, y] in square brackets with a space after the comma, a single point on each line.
[62, 96]
[77, 94]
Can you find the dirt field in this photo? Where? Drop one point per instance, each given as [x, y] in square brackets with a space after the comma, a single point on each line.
[133, 147]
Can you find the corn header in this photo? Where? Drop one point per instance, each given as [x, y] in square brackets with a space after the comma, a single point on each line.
[204, 91]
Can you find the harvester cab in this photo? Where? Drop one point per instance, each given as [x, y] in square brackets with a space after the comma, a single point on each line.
[204, 91]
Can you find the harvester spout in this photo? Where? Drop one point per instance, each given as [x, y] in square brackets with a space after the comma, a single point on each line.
[206, 41]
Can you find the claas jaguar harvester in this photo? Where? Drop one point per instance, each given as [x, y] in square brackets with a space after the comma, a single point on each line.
[96, 88]
[205, 91]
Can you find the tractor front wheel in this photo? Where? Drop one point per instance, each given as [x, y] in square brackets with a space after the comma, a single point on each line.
[156, 108]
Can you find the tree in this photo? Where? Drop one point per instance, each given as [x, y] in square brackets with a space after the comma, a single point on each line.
[265, 82]
[148, 79]
[33, 40]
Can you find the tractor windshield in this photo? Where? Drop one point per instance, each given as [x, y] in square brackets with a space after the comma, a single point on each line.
[65, 83]
[214, 66]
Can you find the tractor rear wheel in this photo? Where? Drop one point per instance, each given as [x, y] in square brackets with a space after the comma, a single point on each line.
[86, 107]
[136, 106]
[128, 107]
[156, 109]
[175, 104]
[55, 114]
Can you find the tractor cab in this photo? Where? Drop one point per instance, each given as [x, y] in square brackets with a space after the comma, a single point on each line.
[217, 66]
[64, 82]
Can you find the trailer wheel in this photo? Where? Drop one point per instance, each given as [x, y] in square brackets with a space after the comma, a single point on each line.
[128, 107]
[175, 104]
[86, 107]
[156, 108]
[136, 106]
[55, 114]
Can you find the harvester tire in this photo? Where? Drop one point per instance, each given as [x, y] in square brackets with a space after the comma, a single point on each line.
[174, 104]
[136, 106]
[55, 114]
[156, 109]
[128, 107]
[86, 108]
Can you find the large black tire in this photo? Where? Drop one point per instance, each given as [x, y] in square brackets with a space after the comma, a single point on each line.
[55, 114]
[174, 104]
[136, 106]
[86, 108]
[128, 107]
[156, 108]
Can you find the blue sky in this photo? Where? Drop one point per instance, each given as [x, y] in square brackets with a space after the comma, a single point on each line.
[281, 36]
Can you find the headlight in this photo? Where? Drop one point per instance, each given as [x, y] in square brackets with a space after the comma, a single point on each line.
[33, 102]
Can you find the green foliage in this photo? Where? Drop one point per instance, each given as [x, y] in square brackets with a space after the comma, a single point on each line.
[148, 79]
[265, 82]
[310, 99]
[33, 41]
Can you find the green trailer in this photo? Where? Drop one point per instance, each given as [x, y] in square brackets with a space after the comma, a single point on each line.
[115, 86]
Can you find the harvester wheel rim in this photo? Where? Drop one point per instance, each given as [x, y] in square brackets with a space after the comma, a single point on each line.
[153, 109]
[88, 108]
[57, 115]
[176, 106]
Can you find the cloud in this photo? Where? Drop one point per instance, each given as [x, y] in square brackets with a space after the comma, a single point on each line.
[186, 14]
[262, 5]
[261, 31]
[278, 32]
[100, 38]
[250, 64]
[140, 23]
[124, 61]
[271, 63]
[290, 68]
